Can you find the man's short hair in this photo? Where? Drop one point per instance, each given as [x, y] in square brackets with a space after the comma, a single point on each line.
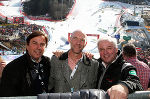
[80, 32]
[129, 50]
[35, 34]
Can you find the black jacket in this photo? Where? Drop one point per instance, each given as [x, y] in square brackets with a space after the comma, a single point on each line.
[118, 72]
[17, 79]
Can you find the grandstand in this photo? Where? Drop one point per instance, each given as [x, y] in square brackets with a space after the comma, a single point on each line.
[12, 36]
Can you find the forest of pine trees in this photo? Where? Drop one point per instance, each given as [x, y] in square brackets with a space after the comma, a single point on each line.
[58, 9]
[55, 9]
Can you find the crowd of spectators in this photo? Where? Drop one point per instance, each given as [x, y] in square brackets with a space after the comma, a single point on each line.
[144, 55]
[13, 29]
[13, 36]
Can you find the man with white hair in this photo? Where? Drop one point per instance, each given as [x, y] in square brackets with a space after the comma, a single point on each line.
[115, 76]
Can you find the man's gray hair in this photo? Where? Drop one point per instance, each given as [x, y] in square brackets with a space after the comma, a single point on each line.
[108, 38]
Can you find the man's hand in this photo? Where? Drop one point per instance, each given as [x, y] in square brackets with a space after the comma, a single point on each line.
[148, 89]
[118, 92]
[89, 55]
[2, 64]
[58, 53]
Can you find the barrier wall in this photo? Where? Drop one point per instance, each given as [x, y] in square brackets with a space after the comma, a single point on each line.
[83, 94]
[140, 95]
[25, 97]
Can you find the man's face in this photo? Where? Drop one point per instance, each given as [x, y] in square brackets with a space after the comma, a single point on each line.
[108, 51]
[77, 42]
[36, 47]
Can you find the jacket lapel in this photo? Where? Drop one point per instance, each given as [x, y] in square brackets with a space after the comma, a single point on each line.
[65, 70]
[84, 68]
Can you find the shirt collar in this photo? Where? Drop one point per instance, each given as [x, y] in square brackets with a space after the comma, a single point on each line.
[35, 60]
[130, 59]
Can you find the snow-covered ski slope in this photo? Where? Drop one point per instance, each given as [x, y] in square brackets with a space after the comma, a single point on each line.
[94, 17]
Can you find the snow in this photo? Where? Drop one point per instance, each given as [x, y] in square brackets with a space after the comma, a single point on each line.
[91, 16]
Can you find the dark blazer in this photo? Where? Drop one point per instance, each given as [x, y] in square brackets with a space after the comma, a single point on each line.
[85, 76]
[16, 79]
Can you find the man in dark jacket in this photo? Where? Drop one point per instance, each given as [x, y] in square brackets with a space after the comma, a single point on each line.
[115, 76]
[27, 75]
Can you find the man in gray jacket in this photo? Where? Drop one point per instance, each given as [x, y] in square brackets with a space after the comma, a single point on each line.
[73, 71]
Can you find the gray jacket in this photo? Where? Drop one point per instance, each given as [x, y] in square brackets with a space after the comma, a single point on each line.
[85, 76]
